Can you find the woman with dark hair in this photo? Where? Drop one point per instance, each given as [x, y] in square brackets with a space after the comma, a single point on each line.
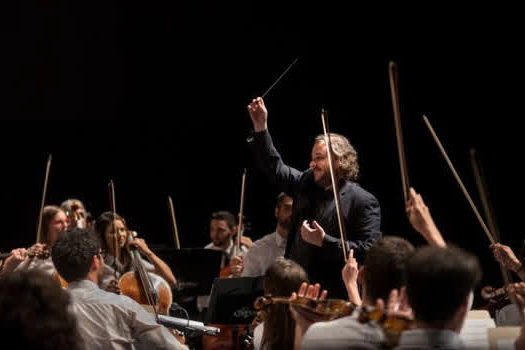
[54, 222]
[105, 226]
[281, 279]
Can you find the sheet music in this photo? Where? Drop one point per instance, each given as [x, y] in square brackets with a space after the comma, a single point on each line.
[474, 333]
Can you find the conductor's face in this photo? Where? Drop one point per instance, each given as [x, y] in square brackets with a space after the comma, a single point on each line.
[220, 233]
[320, 165]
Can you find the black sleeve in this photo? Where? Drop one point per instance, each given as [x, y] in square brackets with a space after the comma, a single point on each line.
[271, 164]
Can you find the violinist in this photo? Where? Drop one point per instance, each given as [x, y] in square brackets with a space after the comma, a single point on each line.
[76, 213]
[54, 222]
[439, 284]
[508, 315]
[382, 271]
[104, 228]
[106, 320]
[223, 226]
[277, 331]
[316, 245]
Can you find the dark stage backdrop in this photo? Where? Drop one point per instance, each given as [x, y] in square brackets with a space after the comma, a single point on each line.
[154, 96]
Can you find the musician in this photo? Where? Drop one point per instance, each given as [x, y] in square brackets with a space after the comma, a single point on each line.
[383, 270]
[104, 228]
[317, 245]
[54, 222]
[508, 315]
[439, 286]
[265, 250]
[277, 332]
[34, 313]
[223, 227]
[76, 212]
[106, 320]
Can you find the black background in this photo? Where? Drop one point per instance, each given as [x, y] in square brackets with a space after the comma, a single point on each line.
[154, 95]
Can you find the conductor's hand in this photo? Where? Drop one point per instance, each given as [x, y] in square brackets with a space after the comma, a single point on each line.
[237, 265]
[312, 234]
[258, 114]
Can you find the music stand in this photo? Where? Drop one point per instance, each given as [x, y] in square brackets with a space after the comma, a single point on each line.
[231, 300]
[194, 268]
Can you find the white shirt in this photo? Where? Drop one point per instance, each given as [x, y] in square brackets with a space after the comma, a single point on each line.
[343, 333]
[257, 336]
[262, 254]
[111, 321]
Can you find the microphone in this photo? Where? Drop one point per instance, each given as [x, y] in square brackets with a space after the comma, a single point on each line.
[184, 324]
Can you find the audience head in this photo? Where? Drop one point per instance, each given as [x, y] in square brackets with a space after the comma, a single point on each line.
[34, 313]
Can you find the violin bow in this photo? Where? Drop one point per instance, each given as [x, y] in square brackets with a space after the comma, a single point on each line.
[335, 186]
[174, 223]
[116, 246]
[458, 179]
[39, 227]
[394, 90]
[481, 183]
[241, 211]
[280, 77]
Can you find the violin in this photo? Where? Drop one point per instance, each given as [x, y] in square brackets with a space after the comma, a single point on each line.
[31, 253]
[330, 309]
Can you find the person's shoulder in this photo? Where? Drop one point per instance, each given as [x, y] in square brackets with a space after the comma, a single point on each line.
[264, 241]
[358, 192]
[346, 329]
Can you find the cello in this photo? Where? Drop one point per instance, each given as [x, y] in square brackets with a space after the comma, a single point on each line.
[143, 287]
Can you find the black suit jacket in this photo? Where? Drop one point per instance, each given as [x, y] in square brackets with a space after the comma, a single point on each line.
[359, 209]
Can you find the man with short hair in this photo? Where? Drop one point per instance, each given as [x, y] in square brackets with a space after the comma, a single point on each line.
[106, 320]
[382, 271]
[439, 282]
[265, 250]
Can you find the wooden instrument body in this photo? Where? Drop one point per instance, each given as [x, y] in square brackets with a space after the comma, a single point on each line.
[130, 285]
